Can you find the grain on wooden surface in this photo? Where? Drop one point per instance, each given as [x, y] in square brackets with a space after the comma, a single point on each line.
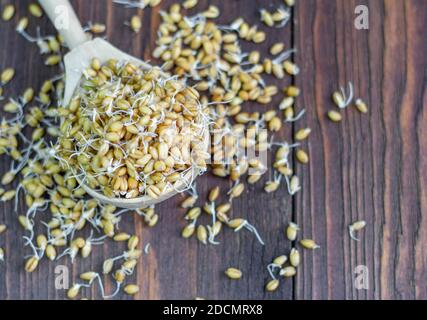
[367, 167]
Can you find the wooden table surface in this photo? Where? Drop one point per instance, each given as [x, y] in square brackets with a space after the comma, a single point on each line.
[371, 167]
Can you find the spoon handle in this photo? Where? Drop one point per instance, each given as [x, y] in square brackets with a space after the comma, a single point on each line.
[64, 18]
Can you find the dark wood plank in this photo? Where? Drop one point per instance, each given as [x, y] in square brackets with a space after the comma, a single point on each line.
[198, 270]
[367, 167]
[408, 269]
[16, 52]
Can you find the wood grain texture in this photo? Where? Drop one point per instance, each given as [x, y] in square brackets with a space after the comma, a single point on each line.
[367, 167]
[370, 167]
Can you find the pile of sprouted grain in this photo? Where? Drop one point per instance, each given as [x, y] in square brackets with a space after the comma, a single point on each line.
[204, 55]
[130, 132]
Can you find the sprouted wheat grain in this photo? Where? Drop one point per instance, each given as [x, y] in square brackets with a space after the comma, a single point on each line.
[141, 131]
[354, 227]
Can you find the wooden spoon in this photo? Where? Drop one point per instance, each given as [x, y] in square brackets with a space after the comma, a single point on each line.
[82, 51]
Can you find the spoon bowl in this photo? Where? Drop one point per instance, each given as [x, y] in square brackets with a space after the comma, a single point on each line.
[82, 51]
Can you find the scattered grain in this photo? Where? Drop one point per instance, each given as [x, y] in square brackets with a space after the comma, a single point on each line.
[233, 273]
